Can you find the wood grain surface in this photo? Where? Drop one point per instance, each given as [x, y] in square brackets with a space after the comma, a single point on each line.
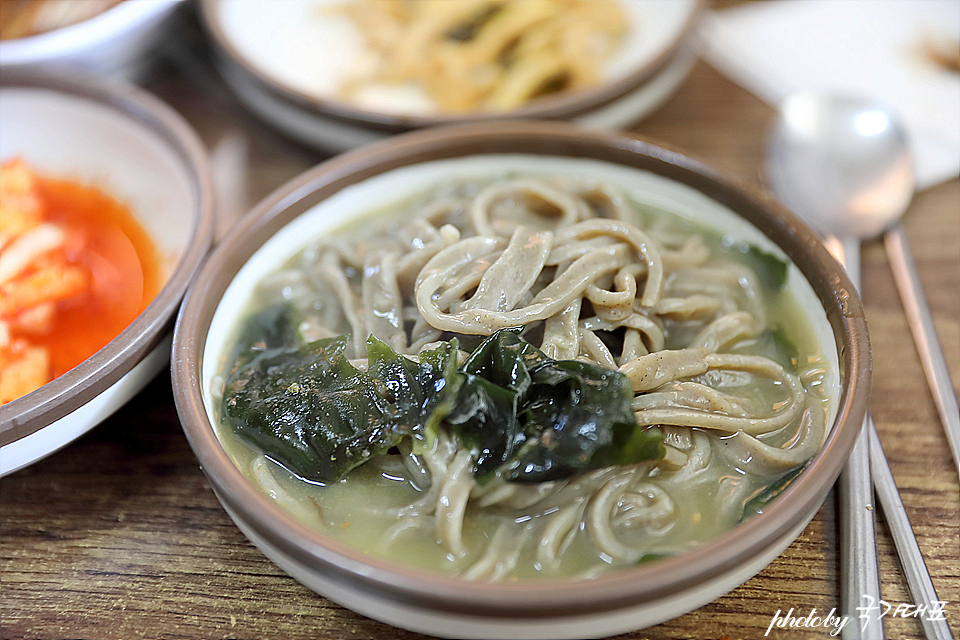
[119, 536]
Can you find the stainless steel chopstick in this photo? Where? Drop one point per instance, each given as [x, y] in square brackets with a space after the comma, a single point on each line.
[859, 570]
[911, 559]
[924, 335]
[858, 520]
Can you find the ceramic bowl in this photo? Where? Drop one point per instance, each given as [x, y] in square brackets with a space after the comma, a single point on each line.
[356, 182]
[116, 41]
[284, 61]
[143, 153]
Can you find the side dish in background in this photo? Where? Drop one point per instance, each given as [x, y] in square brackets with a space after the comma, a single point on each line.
[124, 181]
[338, 74]
[75, 269]
[525, 376]
[23, 18]
[481, 54]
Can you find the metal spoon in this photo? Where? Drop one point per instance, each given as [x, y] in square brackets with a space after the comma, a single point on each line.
[843, 165]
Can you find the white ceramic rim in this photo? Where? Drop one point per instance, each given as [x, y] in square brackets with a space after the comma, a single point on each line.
[443, 624]
[329, 134]
[24, 451]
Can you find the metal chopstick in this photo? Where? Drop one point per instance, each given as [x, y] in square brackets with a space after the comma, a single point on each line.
[924, 335]
[858, 519]
[911, 559]
[859, 570]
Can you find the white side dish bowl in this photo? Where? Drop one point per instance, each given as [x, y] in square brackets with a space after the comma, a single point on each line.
[117, 41]
[140, 151]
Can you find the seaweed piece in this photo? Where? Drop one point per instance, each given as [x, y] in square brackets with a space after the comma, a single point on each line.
[308, 409]
[652, 557]
[273, 327]
[549, 419]
[760, 500]
[771, 270]
[774, 344]
[529, 416]
[311, 411]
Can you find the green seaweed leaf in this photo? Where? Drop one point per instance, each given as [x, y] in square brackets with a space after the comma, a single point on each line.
[771, 270]
[756, 504]
[545, 419]
[776, 345]
[311, 411]
[527, 416]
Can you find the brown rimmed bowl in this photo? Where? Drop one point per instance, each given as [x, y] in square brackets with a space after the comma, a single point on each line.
[621, 600]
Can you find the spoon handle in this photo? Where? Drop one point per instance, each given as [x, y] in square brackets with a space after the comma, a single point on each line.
[911, 559]
[924, 335]
[859, 570]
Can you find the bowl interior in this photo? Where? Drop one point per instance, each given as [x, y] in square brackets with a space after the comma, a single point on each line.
[357, 201]
[78, 137]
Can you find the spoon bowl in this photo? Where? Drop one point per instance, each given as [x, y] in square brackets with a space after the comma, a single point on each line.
[841, 163]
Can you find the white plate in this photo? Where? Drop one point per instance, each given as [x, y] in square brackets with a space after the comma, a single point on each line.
[312, 52]
[331, 135]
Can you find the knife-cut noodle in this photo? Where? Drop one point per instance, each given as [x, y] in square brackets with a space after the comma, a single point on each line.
[723, 367]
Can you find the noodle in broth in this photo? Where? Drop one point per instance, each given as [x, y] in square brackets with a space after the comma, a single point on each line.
[722, 363]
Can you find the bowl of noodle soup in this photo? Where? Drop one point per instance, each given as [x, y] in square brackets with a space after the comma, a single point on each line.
[578, 383]
[336, 74]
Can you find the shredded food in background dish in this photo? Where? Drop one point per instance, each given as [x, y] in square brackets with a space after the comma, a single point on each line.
[942, 52]
[491, 55]
[75, 269]
[22, 18]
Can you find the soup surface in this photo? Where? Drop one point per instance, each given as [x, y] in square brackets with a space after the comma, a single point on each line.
[524, 375]
[76, 269]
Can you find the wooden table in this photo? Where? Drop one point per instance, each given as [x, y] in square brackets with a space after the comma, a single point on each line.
[119, 535]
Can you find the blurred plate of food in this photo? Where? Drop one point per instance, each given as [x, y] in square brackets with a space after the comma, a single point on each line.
[340, 73]
[100, 36]
[105, 215]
